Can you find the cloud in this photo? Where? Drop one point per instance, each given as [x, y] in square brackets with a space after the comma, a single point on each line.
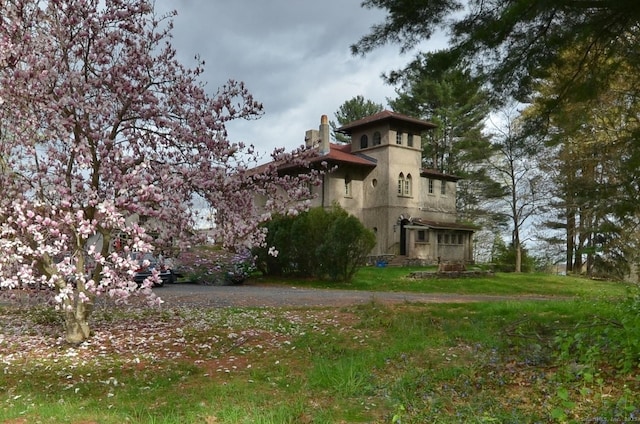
[293, 56]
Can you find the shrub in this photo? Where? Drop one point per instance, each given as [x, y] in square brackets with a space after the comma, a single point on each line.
[345, 247]
[316, 243]
[504, 257]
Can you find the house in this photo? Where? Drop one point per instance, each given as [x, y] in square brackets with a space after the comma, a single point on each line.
[379, 179]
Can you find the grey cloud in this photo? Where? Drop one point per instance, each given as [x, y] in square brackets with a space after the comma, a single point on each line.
[292, 54]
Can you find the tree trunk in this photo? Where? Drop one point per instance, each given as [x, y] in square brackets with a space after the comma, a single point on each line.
[76, 320]
[571, 235]
[518, 258]
[517, 246]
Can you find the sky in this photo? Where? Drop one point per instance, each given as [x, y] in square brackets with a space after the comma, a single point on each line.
[293, 56]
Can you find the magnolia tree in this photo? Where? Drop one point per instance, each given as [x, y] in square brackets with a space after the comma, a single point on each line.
[99, 124]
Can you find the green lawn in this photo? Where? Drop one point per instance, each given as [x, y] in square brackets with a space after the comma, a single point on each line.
[396, 279]
[563, 360]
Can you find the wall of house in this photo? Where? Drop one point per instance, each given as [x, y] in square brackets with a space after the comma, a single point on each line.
[440, 245]
[436, 206]
[383, 206]
[336, 189]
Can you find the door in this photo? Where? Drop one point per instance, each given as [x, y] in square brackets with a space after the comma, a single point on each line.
[403, 237]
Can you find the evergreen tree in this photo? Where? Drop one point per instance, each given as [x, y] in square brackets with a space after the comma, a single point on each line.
[352, 110]
[513, 43]
[456, 102]
[594, 161]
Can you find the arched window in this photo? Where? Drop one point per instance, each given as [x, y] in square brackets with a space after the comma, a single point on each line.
[404, 185]
[364, 141]
[407, 186]
[376, 138]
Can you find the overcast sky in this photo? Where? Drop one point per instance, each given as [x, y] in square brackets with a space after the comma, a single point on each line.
[293, 55]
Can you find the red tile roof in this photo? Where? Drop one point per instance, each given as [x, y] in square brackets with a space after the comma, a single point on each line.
[338, 154]
[341, 153]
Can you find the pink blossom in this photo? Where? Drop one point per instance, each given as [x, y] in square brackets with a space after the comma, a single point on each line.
[102, 124]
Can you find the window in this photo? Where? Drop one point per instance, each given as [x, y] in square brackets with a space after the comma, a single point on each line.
[404, 185]
[376, 138]
[347, 186]
[364, 141]
[443, 187]
[410, 140]
[430, 186]
[460, 239]
[423, 236]
[446, 239]
[439, 238]
[407, 186]
[398, 137]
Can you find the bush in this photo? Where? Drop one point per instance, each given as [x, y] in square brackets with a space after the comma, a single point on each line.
[345, 247]
[214, 266]
[504, 257]
[317, 243]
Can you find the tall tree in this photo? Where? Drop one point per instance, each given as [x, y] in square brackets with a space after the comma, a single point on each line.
[352, 110]
[456, 102]
[595, 164]
[515, 166]
[100, 123]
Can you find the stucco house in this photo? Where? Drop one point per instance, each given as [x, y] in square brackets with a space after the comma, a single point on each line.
[379, 179]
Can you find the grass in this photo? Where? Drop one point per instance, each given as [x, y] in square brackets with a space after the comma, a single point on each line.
[373, 363]
[396, 279]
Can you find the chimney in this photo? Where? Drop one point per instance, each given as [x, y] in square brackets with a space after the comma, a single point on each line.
[319, 138]
[324, 135]
[311, 139]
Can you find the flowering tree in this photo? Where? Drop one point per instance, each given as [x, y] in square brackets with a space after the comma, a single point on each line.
[100, 124]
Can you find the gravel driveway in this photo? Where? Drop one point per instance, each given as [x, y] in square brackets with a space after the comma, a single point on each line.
[263, 296]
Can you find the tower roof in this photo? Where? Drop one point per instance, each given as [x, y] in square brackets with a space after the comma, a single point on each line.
[390, 117]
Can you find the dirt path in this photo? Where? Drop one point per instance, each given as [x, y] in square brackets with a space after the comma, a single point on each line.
[270, 296]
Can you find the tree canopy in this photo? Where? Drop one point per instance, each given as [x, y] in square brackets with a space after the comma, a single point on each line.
[594, 161]
[513, 43]
[105, 138]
